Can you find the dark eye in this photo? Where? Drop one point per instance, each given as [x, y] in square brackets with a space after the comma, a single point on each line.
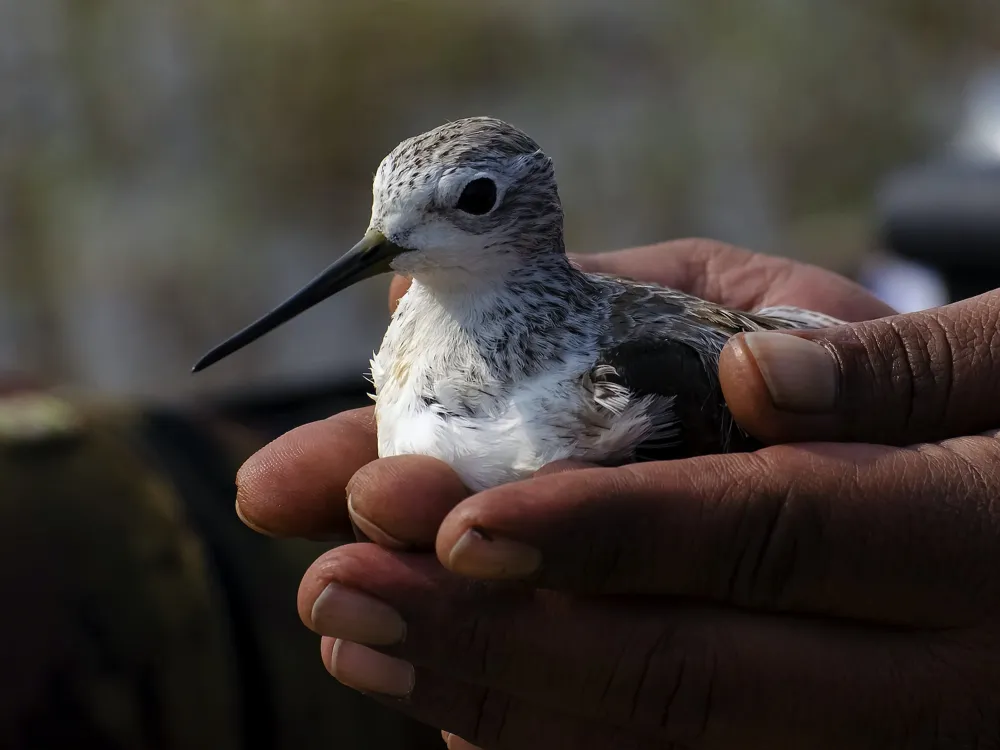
[478, 197]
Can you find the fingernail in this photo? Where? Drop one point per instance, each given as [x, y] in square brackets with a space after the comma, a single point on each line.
[480, 555]
[800, 375]
[342, 612]
[251, 524]
[373, 532]
[363, 669]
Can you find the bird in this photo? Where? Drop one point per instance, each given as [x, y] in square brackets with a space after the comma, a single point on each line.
[503, 355]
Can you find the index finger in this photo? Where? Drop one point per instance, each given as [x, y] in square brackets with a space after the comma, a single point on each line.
[296, 485]
[860, 531]
[740, 279]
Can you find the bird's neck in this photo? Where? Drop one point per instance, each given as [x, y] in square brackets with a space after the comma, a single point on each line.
[516, 321]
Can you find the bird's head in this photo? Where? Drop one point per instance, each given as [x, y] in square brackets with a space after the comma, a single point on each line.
[475, 195]
[471, 199]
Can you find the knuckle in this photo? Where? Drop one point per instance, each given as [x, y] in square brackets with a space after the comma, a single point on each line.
[488, 722]
[478, 645]
[708, 262]
[929, 356]
[685, 695]
[930, 374]
[905, 365]
[740, 278]
[639, 682]
[660, 684]
[489, 625]
[779, 536]
[610, 549]
[977, 343]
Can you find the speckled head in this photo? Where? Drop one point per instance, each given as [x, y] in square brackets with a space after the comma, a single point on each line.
[468, 194]
[474, 197]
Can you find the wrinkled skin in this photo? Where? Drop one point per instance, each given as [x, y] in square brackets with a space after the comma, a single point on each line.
[808, 595]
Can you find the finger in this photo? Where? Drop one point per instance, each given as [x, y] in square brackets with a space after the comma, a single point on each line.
[854, 531]
[419, 613]
[665, 670]
[900, 380]
[294, 486]
[397, 288]
[491, 719]
[399, 502]
[738, 278]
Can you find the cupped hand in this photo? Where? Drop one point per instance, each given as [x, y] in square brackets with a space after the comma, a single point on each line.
[813, 595]
[821, 595]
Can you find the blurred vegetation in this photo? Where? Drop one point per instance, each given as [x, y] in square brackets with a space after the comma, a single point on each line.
[169, 169]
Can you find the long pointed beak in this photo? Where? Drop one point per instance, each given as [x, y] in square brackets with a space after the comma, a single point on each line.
[368, 258]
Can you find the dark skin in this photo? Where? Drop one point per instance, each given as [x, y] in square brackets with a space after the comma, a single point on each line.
[810, 594]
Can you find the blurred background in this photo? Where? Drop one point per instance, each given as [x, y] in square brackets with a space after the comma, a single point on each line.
[170, 169]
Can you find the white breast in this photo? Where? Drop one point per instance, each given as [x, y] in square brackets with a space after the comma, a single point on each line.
[508, 443]
[546, 418]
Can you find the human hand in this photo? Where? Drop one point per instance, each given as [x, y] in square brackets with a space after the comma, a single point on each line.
[293, 486]
[817, 595]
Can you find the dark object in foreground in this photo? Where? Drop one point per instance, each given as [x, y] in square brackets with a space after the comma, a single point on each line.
[140, 612]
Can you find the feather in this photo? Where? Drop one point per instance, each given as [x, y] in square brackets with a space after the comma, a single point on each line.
[663, 348]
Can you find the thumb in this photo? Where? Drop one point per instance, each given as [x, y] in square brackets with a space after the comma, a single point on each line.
[899, 380]
[397, 288]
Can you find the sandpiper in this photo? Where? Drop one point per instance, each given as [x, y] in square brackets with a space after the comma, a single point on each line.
[503, 356]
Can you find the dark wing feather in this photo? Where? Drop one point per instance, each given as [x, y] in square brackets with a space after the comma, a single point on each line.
[665, 343]
[673, 369]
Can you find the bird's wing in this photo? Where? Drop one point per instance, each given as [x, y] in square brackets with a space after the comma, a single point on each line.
[664, 346]
[680, 396]
[796, 317]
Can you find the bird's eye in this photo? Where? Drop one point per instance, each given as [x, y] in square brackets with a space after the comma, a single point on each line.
[478, 197]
